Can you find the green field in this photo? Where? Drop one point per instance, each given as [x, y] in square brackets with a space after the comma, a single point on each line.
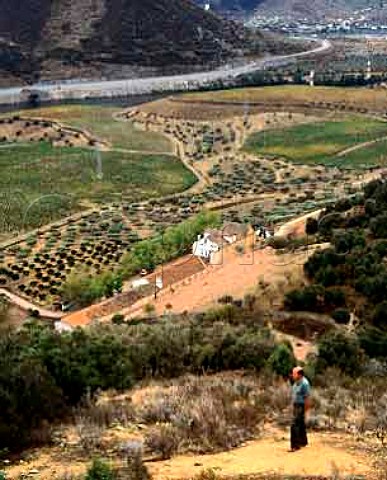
[61, 180]
[319, 143]
[98, 120]
[372, 155]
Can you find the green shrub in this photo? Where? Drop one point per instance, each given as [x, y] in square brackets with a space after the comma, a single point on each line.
[374, 342]
[99, 470]
[82, 288]
[379, 315]
[163, 440]
[39, 366]
[118, 319]
[334, 298]
[378, 226]
[282, 360]
[341, 315]
[310, 299]
[278, 242]
[340, 350]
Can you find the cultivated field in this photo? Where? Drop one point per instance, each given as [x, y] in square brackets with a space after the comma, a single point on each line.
[47, 182]
[372, 154]
[371, 100]
[323, 143]
[219, 105]
[121, 194]
[99, 121]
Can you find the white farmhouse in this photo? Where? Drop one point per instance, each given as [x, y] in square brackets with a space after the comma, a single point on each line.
[207, 244]
[214, 240]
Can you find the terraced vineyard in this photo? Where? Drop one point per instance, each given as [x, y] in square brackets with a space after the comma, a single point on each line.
[99, 120]
[120, 195]
[45, 183]
[49, 170]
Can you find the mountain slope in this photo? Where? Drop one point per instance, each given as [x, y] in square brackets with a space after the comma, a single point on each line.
[131, 32]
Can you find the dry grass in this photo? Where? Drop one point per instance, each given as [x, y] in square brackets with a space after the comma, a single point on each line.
[201, 415]
[209, 414]
[374, 99]
[208, 105]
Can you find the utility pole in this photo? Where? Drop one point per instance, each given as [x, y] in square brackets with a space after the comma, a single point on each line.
[98, 163]
[369, 70]
[369, 63]
[158, 282]
[311, 78]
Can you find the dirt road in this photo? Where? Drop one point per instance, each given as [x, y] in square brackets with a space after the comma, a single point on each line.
[26, 305]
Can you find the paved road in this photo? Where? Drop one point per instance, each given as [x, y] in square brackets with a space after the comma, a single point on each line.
[82, 89]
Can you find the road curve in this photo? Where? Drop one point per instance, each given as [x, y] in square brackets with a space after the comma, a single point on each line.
[27, 305]
[113, 88]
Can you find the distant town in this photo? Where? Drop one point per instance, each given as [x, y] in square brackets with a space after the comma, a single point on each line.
[359, 22]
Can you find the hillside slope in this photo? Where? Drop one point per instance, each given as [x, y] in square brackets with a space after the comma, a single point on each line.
[77, 34]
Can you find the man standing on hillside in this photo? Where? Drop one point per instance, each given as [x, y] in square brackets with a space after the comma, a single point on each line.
[301, 404]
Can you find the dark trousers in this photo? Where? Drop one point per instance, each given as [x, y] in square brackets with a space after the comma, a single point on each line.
[298, 436]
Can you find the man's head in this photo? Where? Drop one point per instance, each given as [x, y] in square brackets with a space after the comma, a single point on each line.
[297, 373]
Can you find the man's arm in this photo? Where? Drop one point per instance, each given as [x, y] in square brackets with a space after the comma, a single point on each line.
[306, 393]
[307, 403]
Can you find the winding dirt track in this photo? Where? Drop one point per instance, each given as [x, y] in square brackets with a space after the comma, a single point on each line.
[360, 145]
[26, 305]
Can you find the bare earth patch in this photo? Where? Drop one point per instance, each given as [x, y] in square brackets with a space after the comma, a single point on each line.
[269, 455]
[234, 275]
[327, 452]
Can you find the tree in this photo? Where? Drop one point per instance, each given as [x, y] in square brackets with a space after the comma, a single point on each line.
[118, 319]
[25, 385]
[379, 315]
[4, 309]
[341, 315]
[82, 288]
[334, 298]
[378, 226]
[374, 342]
[282, 360]
[311, 227]
[337, 349]
[307, 299]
